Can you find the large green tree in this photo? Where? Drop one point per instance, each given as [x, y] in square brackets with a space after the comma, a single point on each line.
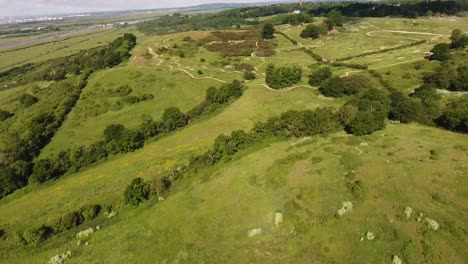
[268, 31]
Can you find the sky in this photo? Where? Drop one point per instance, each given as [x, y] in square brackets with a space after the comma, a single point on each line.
[40, 7]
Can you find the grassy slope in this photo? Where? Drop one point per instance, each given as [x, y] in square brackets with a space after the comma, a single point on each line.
[206, 218]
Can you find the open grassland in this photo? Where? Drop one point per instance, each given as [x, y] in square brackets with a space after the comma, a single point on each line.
[206, 218]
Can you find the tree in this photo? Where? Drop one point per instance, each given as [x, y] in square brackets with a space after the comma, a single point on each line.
[268, 31]
[461, 82]
[173, 119]
[335, 18]
[137, 192]
[455, 116]
[441, 52]
[248, 75]
[311, 31]
[281, 77]
[320, 75]
[459, 40]
[404, 109]
[365, 123]
[333, 87]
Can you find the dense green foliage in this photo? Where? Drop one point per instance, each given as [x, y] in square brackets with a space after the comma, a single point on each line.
[455, 116]
[317, 77]
[17, 167]
[268, 31]
[282, 77]
[339, 87]
[297, 19]
[137, 192]
[372, 107]
[441, 52]
[311, 31]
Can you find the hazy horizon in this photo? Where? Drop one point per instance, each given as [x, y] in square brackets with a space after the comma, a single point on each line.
[51, 7]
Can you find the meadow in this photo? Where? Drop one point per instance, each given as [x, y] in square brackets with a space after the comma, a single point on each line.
[205, 218]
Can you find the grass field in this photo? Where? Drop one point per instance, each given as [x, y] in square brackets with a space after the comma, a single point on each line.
[205, 218]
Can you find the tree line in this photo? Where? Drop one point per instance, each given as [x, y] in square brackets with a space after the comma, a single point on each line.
[17, 161]
[119, 139]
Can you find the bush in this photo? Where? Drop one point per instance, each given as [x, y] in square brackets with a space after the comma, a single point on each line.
[320, 75]
[67, 222]
[404, 109]
[311, 31]
[4, 115]
[173, 119]
[27, 100]
[36, 235]
[248, 75]
[90, 212]
[131, 99]
[339, 87]
[455, 116]
[137, 192]
[441, 52]
[282, 77]
[364, 124]
[268, 31]
[121, 140]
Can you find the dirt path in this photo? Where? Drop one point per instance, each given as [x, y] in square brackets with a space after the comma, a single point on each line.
[285, 90]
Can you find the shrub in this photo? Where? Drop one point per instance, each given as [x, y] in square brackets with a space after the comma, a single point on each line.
[121, 140]
[200, 72]
[131, 99]
[137, 192]
[36, 235]
[334, 87]
[4, 115]
[320, 75]
[281, 77]
[173, 119]
[248, 75]
[455, 116]
[404, 109]
[441, 52]
[27, 100]
[90, 212]
[365, 123]
[67, 222]
[268, 31]
[311, 31]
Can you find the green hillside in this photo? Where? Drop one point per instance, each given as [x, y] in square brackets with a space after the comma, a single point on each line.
[353, 146]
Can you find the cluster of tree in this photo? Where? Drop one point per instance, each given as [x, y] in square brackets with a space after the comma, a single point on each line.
[313, 31]
[339, 87]
[268, 31]
[17, 161]
[281, 77]
[118, 139]
[317, 77]
[215, 98]
[366, 113]
[248, 76]
[321, 121]
[4, 115]
[297, 19]
[459, 40]
[36, 235]
[448, 76]
[84, 61]
[382, 9]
